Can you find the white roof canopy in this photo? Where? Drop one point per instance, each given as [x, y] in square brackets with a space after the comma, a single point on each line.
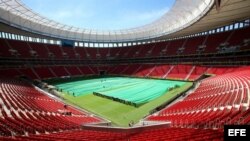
[181, 15]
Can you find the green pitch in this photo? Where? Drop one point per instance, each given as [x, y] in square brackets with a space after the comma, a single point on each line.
[150, 92]
[135, 90]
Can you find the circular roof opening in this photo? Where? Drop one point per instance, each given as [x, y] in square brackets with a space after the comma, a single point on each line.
[102, 14]
[182, 15]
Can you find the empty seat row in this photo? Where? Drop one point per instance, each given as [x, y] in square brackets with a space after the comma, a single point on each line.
[215, 102]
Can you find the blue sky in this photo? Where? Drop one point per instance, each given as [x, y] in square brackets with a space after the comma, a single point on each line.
[101, 14]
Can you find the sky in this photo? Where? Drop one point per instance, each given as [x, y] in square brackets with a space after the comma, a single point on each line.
[102, 14]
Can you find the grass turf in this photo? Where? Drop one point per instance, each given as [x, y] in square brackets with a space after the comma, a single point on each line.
[135, 90]
[118, 113]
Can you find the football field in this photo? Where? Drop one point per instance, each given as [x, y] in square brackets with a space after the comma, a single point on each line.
[149, 93]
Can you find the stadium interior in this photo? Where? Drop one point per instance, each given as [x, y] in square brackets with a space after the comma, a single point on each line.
[182, 83]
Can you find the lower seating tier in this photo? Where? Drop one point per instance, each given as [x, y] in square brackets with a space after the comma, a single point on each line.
[170, 134]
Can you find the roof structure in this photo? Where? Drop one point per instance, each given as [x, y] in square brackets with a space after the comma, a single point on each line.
[183, 14]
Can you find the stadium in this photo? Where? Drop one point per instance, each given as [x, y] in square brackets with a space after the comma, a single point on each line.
[184, 76]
